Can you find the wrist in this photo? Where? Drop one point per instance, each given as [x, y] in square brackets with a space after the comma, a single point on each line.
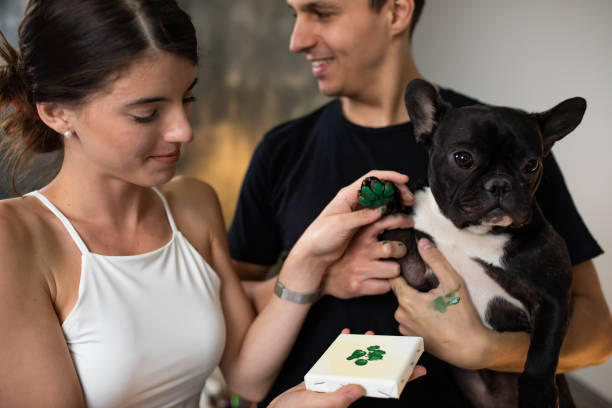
[302, 273]
[505, 351]
[285, 293]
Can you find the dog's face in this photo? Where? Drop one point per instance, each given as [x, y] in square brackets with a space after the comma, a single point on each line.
[485, 163]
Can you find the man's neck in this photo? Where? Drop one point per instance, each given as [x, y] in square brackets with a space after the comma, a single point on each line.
[382, 104]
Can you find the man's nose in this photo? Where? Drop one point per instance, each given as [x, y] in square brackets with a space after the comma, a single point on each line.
[302, 37]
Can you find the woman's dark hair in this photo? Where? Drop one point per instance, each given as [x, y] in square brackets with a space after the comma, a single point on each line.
[71, 49]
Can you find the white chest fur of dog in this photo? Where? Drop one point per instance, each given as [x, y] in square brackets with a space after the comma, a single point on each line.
[462, 247]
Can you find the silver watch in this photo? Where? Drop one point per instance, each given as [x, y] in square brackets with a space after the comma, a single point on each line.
[295, 297]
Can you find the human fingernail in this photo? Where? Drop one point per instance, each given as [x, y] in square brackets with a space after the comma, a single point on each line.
[424, 243]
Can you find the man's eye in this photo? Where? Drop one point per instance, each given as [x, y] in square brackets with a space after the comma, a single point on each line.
[322, 14]
[464, 160]
[190, 99]
[145, 119]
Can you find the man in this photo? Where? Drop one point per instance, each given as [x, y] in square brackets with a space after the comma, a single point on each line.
[360, 52]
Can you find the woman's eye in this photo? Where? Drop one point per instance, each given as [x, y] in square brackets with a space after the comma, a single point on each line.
[464, 160]
[190, 99]
[532, 166]
[145, 119]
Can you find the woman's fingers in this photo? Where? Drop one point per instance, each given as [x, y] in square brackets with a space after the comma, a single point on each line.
[418, 371]
[346, 199]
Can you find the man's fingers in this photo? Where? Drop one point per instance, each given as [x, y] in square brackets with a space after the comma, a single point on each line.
[401, 289]
[370, 287]
[446, 274]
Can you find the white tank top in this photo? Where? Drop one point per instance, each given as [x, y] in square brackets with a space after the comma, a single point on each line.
[146, 329]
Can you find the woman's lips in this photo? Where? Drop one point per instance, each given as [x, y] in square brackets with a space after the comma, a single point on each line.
[169, 158]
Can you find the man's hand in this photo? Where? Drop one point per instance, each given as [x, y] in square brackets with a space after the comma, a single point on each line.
[445, 316]
[363, 270]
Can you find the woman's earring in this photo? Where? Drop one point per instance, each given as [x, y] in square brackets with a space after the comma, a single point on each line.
[67, 134]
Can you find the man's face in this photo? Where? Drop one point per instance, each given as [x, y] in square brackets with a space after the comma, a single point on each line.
[345, 41]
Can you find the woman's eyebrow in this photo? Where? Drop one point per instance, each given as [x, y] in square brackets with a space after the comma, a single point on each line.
[144, 101]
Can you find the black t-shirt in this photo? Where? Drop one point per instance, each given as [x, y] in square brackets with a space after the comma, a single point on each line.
[297, 169]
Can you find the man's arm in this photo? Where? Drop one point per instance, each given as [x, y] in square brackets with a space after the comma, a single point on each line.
[589, 336]
[258, 291]
[460, 338]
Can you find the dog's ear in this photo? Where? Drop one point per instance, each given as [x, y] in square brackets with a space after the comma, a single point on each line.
[560, 120]
[425, 108]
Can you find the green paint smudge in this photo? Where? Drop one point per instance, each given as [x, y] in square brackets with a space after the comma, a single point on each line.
[356, 354]
[441, 303]
[374, 353]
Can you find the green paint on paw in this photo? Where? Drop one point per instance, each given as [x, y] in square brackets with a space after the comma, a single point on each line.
[375, 193]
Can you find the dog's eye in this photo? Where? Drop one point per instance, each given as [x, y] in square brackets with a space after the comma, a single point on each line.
[532, 166]
[464, 160]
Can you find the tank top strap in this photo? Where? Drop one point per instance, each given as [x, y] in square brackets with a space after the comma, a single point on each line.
[73, 233]
[167, 208]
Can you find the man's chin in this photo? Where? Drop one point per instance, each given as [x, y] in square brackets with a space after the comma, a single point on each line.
[328, 89]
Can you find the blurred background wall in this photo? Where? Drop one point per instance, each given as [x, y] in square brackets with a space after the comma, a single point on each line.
[522, 53]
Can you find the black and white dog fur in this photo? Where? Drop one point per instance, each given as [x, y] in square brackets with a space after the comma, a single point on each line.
[485, 165]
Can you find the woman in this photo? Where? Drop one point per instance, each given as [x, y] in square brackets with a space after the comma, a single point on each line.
[115, 292]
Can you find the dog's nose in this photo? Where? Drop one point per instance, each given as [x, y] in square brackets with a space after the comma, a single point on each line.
[498, 185]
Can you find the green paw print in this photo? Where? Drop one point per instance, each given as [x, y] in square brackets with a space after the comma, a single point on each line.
[375, 193]
[373, 353]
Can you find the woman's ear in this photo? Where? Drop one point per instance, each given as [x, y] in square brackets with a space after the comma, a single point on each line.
[54, 116]
[401, 15]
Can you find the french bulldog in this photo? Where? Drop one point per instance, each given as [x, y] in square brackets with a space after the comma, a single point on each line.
[485, 165]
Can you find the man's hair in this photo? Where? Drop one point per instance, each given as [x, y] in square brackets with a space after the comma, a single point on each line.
[376, 5]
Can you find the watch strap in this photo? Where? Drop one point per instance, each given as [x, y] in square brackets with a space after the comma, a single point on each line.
[296, 297]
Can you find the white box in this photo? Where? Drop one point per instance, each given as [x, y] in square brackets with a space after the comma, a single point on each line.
[384, 373]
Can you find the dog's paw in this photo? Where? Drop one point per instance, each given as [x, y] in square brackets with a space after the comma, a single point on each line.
[376, 193]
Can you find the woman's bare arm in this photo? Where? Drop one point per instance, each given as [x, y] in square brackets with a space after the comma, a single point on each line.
[37, 369]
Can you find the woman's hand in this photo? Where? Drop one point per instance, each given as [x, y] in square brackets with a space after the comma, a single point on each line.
[327, 238]
[445, 316]
[300, 397]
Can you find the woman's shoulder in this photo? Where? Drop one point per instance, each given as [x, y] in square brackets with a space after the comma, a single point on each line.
[14, 226]
[195, 208]
[190, 196]
[21, 230]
